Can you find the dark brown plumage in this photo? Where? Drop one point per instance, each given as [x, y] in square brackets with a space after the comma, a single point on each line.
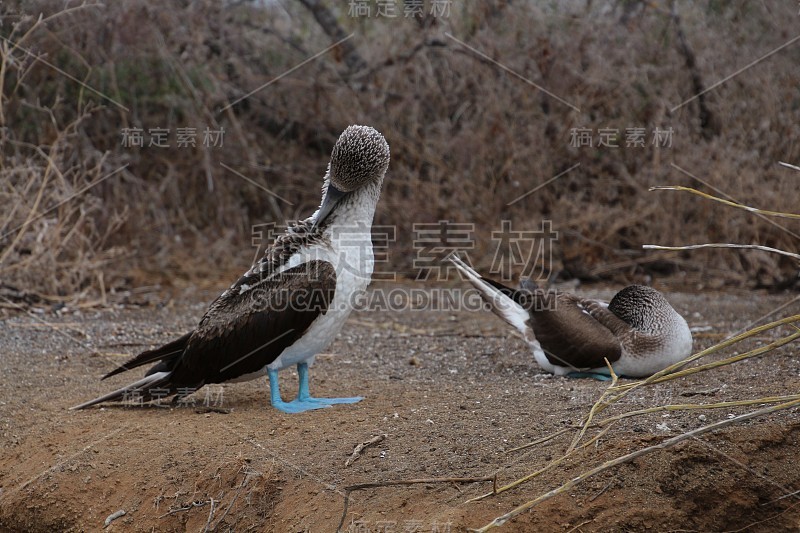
[638, 333]
[552, 313]
[277, 308]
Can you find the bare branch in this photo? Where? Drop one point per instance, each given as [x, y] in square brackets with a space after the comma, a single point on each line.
[331, 27]
[500, 520]
[723, 245]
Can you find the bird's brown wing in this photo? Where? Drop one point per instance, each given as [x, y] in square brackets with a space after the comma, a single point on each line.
[247, 329]
[572, 338]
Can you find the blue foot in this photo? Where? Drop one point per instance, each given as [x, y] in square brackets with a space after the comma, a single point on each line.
[296, 406]
[329, 401]
[304, 400]
[303, 394]
[593, 375]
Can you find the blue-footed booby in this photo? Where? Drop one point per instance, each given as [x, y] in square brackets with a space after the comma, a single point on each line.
[638, 332]
[291, 304]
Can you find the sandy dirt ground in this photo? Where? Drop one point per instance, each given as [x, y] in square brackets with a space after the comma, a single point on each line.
[452, 391]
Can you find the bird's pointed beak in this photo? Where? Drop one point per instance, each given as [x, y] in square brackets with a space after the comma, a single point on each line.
[332, 197]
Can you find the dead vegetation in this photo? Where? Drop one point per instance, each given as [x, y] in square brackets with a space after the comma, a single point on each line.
[617, 392]
[595, 431]
[456, 97]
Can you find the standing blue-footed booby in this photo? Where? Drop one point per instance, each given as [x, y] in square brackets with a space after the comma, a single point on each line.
[291, 304]
[638, 331]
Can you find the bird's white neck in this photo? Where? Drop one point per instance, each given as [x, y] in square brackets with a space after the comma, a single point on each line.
[347, 232]
[355, 210]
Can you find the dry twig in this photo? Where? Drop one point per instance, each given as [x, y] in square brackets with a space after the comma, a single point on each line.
[726, 202]
[500, 520]
[615, 393]
[723, 245]
[361, 446]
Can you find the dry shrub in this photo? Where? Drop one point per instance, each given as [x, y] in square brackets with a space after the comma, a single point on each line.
[55, 249]
[467, 137]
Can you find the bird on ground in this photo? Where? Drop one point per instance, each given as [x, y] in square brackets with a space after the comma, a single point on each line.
[638, 332]
[292, 303]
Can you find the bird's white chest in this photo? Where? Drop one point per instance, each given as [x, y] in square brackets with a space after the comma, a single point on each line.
[353, 260]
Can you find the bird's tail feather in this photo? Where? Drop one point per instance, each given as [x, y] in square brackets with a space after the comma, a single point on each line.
[159, 380]
[171, 350]
[504, 301]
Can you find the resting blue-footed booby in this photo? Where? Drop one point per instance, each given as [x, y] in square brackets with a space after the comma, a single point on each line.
[638, 331]
[291, 304]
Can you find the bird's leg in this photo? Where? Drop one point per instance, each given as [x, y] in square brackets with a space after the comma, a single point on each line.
[302, 373]
[303, 394]
[295, 406]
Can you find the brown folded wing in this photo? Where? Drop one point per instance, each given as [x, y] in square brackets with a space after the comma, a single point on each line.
[572, 338]
[246, 329]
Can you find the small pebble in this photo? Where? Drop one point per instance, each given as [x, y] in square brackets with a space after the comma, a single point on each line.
[112, 517]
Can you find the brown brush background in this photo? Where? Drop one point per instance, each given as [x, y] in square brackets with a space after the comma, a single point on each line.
[467, 137]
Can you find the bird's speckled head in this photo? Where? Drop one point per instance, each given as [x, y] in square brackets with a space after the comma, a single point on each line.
[642, 307]
[360, 156]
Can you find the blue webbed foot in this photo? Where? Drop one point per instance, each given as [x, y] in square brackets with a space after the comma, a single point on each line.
[296, 406]
[304, 400]
[325, 402]
[593, 375]
[304, 395]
